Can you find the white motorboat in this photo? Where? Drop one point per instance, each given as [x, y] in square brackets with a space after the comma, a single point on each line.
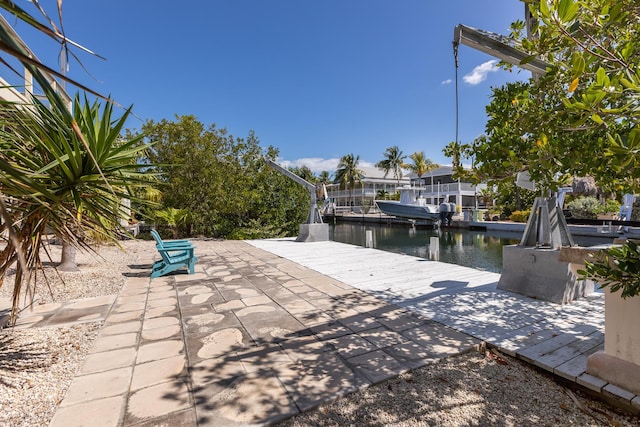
[412, 205]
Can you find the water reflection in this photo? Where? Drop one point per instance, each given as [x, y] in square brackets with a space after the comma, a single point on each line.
[477, 249]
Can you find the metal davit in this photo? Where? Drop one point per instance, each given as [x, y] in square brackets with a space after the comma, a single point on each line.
[314, 230]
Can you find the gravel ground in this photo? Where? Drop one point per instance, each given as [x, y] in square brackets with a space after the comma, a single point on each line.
[36, 368]
[472, 389]
[100, 273]
[38, 364]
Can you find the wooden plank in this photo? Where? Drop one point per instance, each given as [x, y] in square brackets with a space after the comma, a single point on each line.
[565, 353]
[536, 352]
[576, 367]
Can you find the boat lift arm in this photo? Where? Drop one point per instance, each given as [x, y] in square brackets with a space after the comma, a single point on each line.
[546, 225]
[314, 216]
[497, 45]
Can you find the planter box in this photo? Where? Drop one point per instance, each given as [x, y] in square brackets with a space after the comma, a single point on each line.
[610, 216]
[619, 363]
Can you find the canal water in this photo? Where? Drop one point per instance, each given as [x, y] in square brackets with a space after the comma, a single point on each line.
[477, 249]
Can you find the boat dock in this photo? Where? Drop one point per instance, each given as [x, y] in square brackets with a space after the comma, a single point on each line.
[608, 229]
[556, 338]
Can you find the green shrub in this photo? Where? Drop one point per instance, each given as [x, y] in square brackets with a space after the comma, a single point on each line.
[590, 207]
[584, 207]
[608, 206]
[520, 216]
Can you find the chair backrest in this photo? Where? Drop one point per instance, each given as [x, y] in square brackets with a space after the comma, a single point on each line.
[157, 238]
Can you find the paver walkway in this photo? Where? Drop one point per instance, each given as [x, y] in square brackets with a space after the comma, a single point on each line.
[250, 339]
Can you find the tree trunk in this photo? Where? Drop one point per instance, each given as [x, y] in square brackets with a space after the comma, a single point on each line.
[68, 258]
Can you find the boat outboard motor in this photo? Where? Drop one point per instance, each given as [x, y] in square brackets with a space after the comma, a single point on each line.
[444, 211]
[452, 210]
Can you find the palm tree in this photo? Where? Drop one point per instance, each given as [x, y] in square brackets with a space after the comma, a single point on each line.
[173, 218]
[348, 174]
[324, 177]
[487, 195]
[394, 161]
[382, 195]
[421, 164]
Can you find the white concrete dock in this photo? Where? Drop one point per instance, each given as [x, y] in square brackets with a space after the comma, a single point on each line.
[557, 338]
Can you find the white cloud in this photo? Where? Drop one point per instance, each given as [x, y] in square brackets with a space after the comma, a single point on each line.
[318, 164]
[479, 74]
[446, 82]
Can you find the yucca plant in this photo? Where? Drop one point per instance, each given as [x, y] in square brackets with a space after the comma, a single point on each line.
[62, 173]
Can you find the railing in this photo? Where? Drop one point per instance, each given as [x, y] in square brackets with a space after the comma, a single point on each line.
[452, 187]
[426, 190]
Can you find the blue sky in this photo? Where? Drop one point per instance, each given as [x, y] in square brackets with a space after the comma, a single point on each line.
[316, 79]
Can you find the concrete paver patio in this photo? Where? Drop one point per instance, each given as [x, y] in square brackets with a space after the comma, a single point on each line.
[250, 339]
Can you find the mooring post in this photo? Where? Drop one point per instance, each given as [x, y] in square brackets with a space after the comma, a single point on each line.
[369, 239]
[434, 249]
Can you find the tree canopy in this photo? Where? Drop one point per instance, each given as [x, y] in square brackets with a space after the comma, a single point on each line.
[420, 164]
[393, 162]
[580, 118]
[223, 182]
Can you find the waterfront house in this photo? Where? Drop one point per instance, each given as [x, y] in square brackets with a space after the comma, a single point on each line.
[439, 186]
[361, 198]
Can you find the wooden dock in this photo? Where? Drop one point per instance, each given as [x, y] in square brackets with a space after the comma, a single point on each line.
[556, 338]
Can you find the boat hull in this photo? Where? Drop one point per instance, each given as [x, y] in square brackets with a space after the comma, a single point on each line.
[402, 210]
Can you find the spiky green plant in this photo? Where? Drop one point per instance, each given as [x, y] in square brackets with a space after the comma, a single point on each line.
[62, 173]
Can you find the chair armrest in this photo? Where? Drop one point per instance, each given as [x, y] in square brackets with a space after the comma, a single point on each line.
[176, 249]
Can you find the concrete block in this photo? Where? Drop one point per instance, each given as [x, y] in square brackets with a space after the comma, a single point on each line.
[593, 383]
[313, 233]
[537, 273]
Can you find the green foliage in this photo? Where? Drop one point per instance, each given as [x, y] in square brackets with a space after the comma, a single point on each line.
[382, 195]
[63, 174]
[618, 269]
[305, 173]
[587, 207]
[581, 117]
[607, 207]
[511, 198]
[420, 164]
[172, 217]
[520, 216]
[223, 182]
[487, 195]
[458, 151]
[324, 177]
[584, 207]
[347, 174]
[592, 48]
[635, 211]
[393, 161]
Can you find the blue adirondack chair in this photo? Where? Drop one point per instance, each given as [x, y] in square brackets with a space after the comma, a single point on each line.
[175, 254]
